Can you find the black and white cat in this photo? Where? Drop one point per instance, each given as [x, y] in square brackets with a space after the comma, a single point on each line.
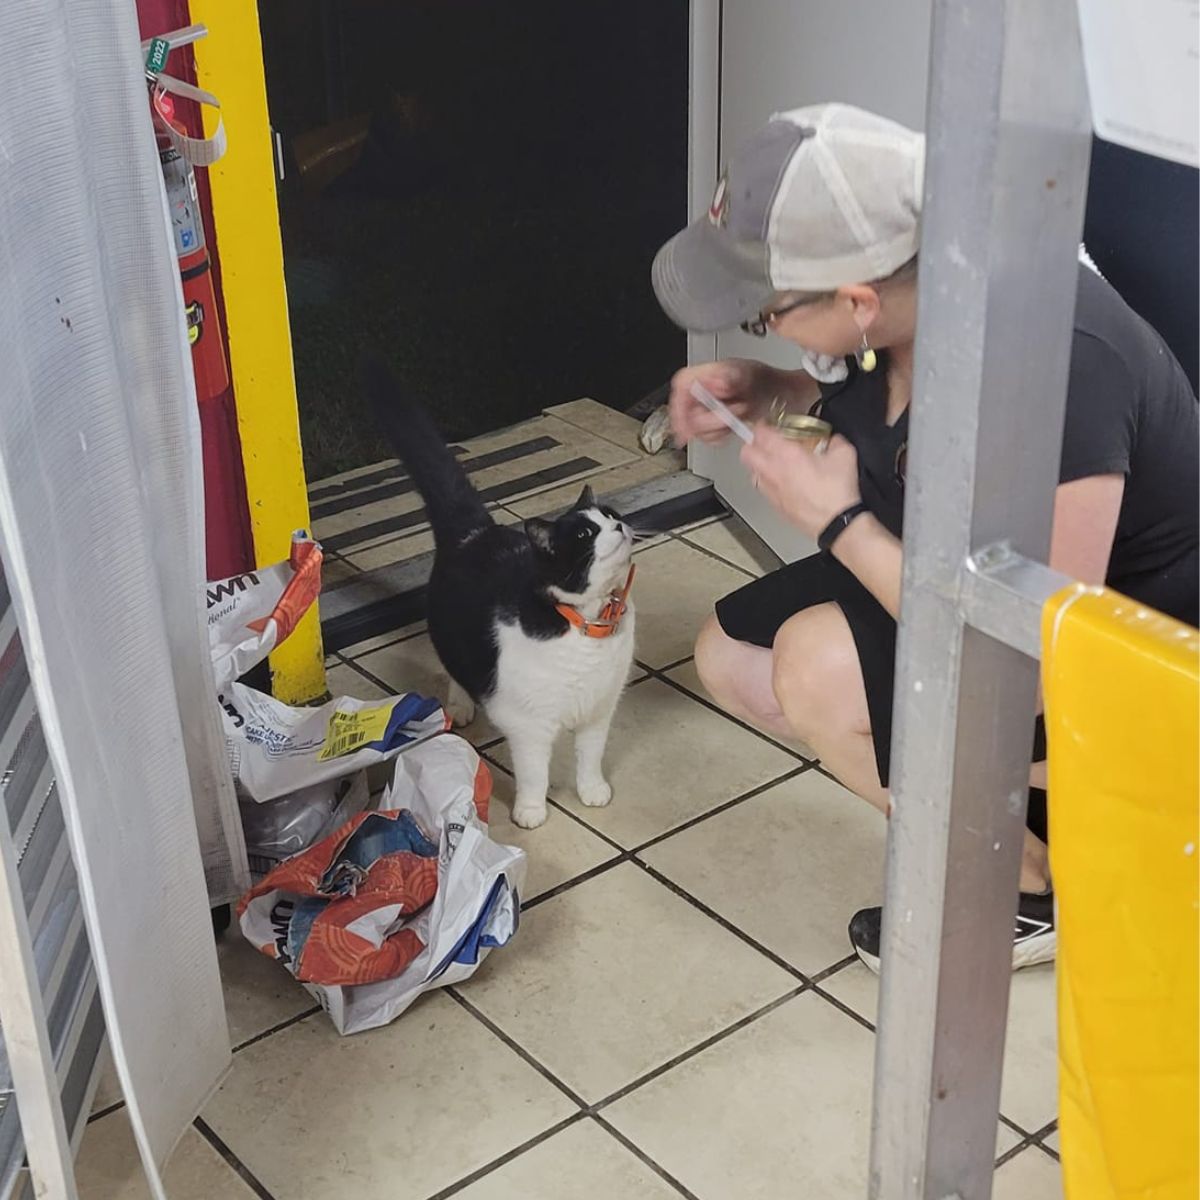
[520, 616]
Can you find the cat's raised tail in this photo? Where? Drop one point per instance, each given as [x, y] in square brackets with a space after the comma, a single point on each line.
[453, 506]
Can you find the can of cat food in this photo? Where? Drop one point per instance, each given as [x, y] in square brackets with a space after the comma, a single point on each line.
[799, 427]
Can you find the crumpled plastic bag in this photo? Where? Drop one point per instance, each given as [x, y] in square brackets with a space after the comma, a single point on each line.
[398, 901]
[250, 614]
[275, 748]
[277, 829]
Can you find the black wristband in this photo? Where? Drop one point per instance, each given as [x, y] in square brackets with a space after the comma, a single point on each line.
[839, 524]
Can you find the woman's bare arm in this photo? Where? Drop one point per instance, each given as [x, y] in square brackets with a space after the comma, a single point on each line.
[1085, 526]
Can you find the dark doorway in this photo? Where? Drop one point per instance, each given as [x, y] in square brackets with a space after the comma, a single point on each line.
[475, 188]
[1142, 231]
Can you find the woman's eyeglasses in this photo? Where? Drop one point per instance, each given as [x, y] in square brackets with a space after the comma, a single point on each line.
[759, 326]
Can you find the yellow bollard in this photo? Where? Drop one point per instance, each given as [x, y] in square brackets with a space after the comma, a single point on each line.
[1122, 694]
[229, 63]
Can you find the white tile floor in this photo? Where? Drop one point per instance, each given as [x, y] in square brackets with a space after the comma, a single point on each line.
[678, 1016]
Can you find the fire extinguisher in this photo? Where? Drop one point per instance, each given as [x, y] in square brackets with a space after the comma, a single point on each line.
[228, 539]
[209, 362]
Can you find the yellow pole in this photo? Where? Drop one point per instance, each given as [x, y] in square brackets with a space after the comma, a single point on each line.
[229, 63]
[1122, 688]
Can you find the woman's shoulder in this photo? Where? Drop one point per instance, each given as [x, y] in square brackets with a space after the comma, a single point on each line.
[1110, 337]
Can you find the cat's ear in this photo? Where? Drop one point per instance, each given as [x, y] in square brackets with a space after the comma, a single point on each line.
[541, 533]
[587, 498]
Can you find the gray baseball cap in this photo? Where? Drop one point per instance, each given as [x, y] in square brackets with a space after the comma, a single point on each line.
[819, 198]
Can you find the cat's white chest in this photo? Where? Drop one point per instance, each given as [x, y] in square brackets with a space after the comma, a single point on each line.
[563, 681]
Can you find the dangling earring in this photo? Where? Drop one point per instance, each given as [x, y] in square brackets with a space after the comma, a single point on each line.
[867, 358]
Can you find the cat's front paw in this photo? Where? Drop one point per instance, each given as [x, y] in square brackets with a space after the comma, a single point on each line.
[459, 706]
[595, 794]
[460, 710]
[529, 815]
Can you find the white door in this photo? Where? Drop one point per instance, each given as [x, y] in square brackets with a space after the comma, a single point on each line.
[101, 536]
[751, 58]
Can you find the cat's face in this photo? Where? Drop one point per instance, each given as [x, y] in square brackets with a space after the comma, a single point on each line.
[584, 553]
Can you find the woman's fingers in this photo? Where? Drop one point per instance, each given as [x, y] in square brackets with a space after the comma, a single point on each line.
[689, 418]
[771, 452]
[807, 488]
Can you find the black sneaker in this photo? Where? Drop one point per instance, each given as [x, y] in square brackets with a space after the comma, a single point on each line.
[1034, 939]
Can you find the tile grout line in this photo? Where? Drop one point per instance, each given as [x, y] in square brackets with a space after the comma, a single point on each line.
[699, 1048]
[504, 1159]
[569, 884]
[106, 1112]
[686, 538]
[631, 856]
[725, 924]
[370, 676]
[843, 1008]
[491, 761]
[516, 1047]
[266, 1033]
[100, 1114]
[371, 545]
[597, 434]
[627, 855]
[231, 1159]
[1019, 1130]
[683, 539]
[1026, 1140]
[400, 638]
[1039, 1139]
[593, 1110]
[696, 526]
[657, 673]
[841, 965]
[673, 666]
[643, 1157]
[1012, 1153]
[692, 822]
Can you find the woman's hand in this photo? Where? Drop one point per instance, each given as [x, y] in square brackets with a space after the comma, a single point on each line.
[806, 487]
[736, 381]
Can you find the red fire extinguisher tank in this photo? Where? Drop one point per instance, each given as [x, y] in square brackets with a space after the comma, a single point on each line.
[229, 542]
[195, 268]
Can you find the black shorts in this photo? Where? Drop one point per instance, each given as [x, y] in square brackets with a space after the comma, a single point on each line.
[755, 613]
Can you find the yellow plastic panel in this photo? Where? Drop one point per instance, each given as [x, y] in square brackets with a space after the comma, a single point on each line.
[1122, 693]
[229, 64]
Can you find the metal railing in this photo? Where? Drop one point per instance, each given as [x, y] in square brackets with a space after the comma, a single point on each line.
[51, 1025]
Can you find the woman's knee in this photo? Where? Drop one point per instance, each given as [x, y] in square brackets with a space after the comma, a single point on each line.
[816, 673]
[716, 658]
[736, 675]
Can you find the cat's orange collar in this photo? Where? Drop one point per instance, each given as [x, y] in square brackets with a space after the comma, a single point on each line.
[609, 620]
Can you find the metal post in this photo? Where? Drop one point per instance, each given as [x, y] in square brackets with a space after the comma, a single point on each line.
[1006, 171]
[704, 131]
